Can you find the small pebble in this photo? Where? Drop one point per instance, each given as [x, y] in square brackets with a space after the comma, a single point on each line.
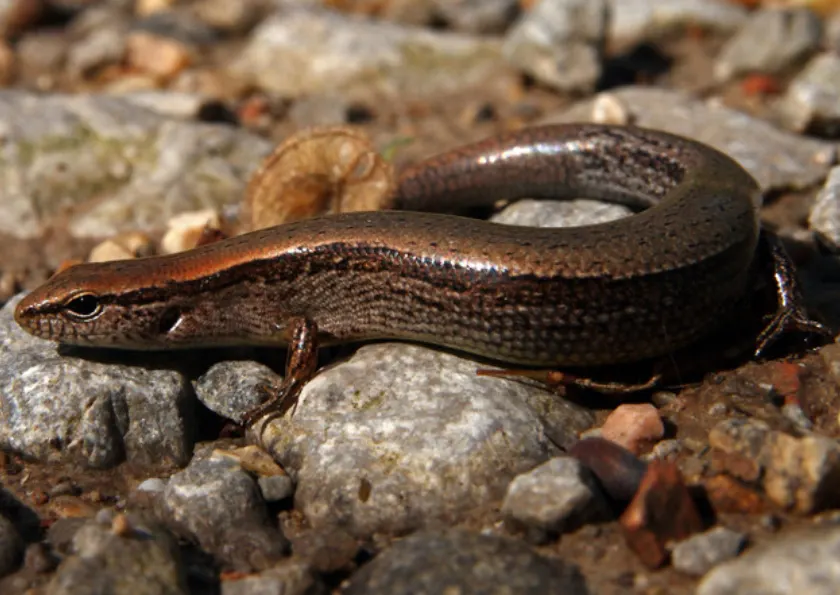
[702, 552]
[635, 427]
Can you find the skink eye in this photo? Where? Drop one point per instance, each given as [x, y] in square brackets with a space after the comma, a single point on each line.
[83, 307]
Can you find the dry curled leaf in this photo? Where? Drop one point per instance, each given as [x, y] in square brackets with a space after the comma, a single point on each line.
[324, 170]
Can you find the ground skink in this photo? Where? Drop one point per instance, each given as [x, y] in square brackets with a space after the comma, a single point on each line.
[617, 292]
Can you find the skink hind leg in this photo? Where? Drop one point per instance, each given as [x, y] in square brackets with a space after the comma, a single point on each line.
[301, 363]
[790, 315]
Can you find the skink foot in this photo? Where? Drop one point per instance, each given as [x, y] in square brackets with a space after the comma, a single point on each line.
[301, 363]
[790, 315]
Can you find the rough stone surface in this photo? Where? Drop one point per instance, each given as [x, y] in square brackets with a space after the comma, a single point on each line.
[231, 388]
[559, 495]
[141, 561]
[700, 553]
[799, 474]
[634, 21]
[812, 100]
[301, 51]
[777, 159]
[550, 213]
[54, 407]
[400, 436]
[793, 564]
[456, 561]
[219, 505]
[62, 152]
[772, 40]
[560, 43]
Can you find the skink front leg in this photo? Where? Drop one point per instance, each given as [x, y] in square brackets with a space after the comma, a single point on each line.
[790, 315]
[301, 363]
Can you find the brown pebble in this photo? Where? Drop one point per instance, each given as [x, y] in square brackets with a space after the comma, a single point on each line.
[121, 526]
[618, 470]
[636, 427]
[662, 512]
[156, 55]
[727, 495]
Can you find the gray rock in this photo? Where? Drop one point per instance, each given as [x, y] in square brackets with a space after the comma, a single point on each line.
[216, 503]
[572, 213]
[637, 20]
[62, 154]
[11, 547]
[812, 100]
[476, 16]
[232, 388]
[558, 496]
[56, 407]
[779, 160]
[136, 559]
[794, 564]
[301, 51]
[560, 43]
[101, 48]
[771, 41]
[290, 577]
[276, 487]
[457, 561]
[824, 219]
[400, 436]
[700, 553]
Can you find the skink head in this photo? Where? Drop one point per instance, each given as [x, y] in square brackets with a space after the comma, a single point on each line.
[86, 305]
[124, 304]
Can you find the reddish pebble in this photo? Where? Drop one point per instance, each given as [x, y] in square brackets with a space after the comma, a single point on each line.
[635, 427]
[662, 512]
[729, 496]
[40, 497]
[760, 84]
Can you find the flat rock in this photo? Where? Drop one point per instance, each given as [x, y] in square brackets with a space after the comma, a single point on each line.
[400, 436]
[779, 160]
[56, 407]
[301, 51]
[457, 561]
[793, 564]
[771, 41]
[62, 153]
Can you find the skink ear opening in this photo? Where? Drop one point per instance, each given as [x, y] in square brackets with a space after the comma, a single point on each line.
[83, 306]
[170, 320]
